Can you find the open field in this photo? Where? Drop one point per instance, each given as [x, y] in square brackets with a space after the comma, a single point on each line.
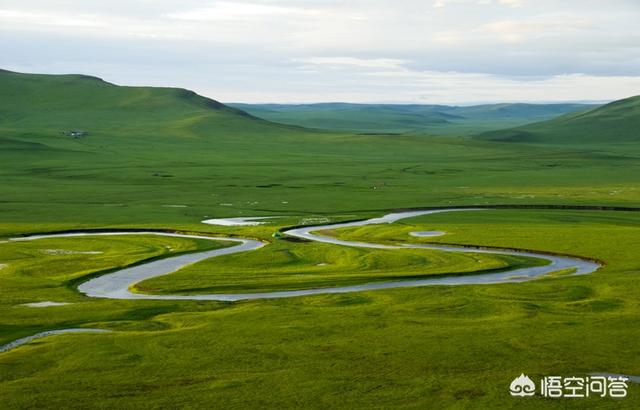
[150, 150]
[287, 265]
[168, 159]
[116, 180]
[361, 350]
[49, 270]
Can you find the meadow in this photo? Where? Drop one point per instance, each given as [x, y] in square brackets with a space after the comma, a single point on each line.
[457, 346]
[166, 156]
[167, 159]
[288, 266]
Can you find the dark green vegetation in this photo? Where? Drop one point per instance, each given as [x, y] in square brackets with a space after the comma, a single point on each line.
[615, 123]
[409, 118]
[167, 158]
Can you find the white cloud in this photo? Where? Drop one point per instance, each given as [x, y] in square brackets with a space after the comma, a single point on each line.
[239, 11]
[444, 3]
[455, 87]
[350, 62]
[517, 31]
[512, 3]
[432, 87]
[50, 19]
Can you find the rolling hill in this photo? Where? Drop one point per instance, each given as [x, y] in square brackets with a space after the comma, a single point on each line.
[617, 122]
[351, 117]
[409, 118]
[52, 104]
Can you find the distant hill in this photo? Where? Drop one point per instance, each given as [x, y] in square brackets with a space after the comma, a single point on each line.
[518, 111]
[616, 122]
[407, 118]
[350, 117]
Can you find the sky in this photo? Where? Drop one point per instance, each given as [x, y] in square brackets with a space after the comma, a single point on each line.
[368, 51]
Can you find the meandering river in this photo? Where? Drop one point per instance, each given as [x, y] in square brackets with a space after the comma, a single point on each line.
[117, 285]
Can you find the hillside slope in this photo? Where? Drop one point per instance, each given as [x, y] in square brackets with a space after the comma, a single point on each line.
[517, 111]
[617, 122]
[58, 103]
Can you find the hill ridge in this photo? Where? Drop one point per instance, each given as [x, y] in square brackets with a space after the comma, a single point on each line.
[618, 121]
[408, 118]
[78, 101]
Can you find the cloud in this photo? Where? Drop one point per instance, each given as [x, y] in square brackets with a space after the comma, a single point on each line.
[50, 19]
[351, 62]
[517, 31]
[438, 4]
[221, 11]
[512, 3]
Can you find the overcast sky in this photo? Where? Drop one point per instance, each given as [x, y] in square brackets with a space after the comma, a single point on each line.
[420, 51]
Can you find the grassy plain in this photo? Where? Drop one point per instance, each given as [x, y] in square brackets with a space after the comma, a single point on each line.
[150, 149]
[47, 270]
[287, 265]
[166, 158]
[410, 348]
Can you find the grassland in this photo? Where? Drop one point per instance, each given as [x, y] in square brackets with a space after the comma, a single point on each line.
[150, 149]
[316, 265]
[455, 346]
[48, 270]
[166, 159]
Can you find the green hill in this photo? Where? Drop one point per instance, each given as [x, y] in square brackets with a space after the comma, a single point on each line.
[58, 103]
[516, 111]
[409, 118]
[617, 122]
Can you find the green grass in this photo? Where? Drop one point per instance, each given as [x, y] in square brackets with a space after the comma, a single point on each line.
[71, 258]
[149, 150]
[409, 348]
[50, 269]
[317, 265]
